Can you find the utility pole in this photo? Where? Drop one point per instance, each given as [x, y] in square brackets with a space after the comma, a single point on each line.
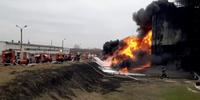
[51, 47]
[51, 43]
[21, 39]
[63, 45]
[21, 31]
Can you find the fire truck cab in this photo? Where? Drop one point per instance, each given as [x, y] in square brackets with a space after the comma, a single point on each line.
[43, 58]
[60, 57]
[8, 57]
[22, 58]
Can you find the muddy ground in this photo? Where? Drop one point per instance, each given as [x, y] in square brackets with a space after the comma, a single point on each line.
[83, 81]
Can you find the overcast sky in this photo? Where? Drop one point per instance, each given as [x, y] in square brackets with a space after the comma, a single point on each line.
[88, 23]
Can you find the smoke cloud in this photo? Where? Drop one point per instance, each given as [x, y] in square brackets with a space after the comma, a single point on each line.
[110, 46]
[143, 17]
[191, 3]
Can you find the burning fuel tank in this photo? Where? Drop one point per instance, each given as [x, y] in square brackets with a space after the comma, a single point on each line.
[175, 37]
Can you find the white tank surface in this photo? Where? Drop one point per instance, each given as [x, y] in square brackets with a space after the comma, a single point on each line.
[105, 67]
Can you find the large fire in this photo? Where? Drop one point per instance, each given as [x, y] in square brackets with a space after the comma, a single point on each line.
[128, 51]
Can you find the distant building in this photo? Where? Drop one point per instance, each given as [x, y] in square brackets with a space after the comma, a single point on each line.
[31, 48]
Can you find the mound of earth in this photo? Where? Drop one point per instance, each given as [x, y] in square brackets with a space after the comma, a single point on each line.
[32, 84]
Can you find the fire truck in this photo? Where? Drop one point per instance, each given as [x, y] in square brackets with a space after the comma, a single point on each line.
[43, 58]
[11, 57]
[68, 57]
[8, 57]
[22, 58]
[60, 57]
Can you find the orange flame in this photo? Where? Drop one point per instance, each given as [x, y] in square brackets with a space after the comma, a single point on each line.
[124, 70]
[131, 46]
[141, 68]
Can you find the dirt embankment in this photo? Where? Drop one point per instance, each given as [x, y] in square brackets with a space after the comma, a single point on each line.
[32, 84]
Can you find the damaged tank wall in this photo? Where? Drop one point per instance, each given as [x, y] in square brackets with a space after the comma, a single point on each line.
[176, 33]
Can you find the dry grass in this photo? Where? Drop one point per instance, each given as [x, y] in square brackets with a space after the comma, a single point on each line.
[8, 73]
[150, 89]
[154, 89]
[146, 89]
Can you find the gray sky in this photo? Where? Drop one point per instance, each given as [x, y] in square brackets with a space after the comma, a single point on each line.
[89, 23]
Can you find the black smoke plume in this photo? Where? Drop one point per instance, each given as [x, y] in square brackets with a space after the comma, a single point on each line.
[110, 46]
[143, 17]
[189, 3]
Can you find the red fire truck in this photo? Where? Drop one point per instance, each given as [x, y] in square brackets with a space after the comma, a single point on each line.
[8, 57]
[11, 57]
[43, 58]
[22, 58]
[60, 57]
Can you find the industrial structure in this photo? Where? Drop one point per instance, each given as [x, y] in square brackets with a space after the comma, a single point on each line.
[176, 34]
[31, 48]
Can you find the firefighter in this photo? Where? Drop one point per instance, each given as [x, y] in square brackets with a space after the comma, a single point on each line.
[163, 74]
[77, 57]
